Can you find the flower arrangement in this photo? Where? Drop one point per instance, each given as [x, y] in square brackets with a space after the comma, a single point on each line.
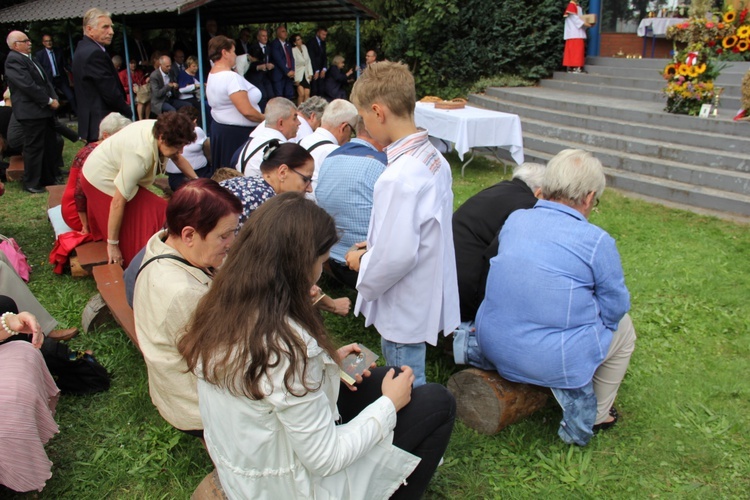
[726, 34]
[690, 80]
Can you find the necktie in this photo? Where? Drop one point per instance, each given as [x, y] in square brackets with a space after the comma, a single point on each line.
[286, 53]
[37, 67]
[52, 61]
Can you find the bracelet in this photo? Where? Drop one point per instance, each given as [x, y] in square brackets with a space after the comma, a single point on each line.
[362, 255]
[113, 242]
[10, 331]
[319, 298]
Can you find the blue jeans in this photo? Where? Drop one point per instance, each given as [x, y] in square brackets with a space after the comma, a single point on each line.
[466, 348]
[411, 355]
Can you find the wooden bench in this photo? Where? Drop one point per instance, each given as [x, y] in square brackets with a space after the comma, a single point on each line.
[15, 168]
[488, 403]
[209, 489]
[111, 286]
[55, 196]
[88, 256]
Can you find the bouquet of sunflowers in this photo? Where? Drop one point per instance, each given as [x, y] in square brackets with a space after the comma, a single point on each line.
[690, 80]
[726, 34]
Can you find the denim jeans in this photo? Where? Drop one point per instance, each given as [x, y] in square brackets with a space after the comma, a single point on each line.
[466, 348]
[411, 355]
[579, 414]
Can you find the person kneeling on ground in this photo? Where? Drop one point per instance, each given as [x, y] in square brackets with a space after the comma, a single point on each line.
[555, 309]
[268, 378]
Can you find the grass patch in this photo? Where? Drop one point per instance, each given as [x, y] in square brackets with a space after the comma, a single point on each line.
[684, 404]
[482, 84]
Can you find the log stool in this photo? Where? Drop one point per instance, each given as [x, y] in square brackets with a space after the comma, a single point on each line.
[209, 489]
[488, 403]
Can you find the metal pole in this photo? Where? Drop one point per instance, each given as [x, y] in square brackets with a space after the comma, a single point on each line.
[359, 61]
[595, 7]
[127, 69]
[200, 68]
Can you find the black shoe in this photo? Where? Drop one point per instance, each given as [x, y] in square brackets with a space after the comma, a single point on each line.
[607, 425]
[34, 190]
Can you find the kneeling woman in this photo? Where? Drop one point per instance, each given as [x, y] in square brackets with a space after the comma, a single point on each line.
[176, 272]
[268, 378]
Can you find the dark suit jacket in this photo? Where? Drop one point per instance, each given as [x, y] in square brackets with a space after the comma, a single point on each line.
[159, 91]
[318, 56]
[30, 91]
[278, 58]
[256, 52]
[42, 60]
[336, 81]
[239, 49]
[476, 227]
[98, 88]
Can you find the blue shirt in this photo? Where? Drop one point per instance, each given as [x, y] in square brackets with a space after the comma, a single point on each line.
[345, 186]
[555, 292]
[251, 191]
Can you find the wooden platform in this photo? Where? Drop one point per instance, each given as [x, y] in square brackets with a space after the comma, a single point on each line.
[111, 286]
[92, 254]
[55, 196]
[15, 169]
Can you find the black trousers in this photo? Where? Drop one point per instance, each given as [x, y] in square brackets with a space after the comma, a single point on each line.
[343, 274]
[423, 427]
[40, 152]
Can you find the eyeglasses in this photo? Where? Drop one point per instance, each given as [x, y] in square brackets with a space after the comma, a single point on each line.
[305, 178]
[351, 127]
[23, 41]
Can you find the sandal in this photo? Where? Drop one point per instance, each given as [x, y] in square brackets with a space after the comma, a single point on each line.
[607, 425]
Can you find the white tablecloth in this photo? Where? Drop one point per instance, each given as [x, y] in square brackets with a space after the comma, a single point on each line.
[660, 25]
[472, 127]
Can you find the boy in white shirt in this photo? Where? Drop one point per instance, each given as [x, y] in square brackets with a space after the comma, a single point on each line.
[407, 269]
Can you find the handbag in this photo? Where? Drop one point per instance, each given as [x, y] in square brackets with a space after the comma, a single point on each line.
[15, 256]
[75, 372]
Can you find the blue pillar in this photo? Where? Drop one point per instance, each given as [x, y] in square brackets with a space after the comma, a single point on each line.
[126, 62]
[200, 68]
[359, 61]
[595, 7]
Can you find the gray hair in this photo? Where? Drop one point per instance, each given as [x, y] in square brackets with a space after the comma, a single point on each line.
[571, 175]
[532, 174]
[91, 16]
[278, 108]
[315, 104]
[116, 60]
[112, 123]
[337, 59]
[338, 112]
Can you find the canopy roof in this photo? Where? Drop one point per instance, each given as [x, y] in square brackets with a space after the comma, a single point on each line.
[170, 13]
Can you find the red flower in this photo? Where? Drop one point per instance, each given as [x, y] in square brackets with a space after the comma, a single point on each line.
[709, 25]
[743, 15]
[719, 50]
[711, 43]
[735, 49]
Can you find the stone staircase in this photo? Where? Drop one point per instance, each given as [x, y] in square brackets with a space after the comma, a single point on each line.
[616, 112]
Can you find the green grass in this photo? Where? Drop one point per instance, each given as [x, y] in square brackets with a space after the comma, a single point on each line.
[684, 403]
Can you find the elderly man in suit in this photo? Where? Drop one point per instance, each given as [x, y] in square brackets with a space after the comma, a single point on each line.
[282, 75]
[260, 67]
[316, 46]
[34, 103]
[97, 85]
[52, 62]
[164, 93]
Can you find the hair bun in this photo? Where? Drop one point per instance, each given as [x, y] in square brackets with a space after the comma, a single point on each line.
[273, 145]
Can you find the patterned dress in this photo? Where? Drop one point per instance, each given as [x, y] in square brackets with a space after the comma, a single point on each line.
[251, 191]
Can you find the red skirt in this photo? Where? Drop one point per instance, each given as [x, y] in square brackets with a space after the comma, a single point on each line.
[573, 57]
[144, 215]
[69, 210]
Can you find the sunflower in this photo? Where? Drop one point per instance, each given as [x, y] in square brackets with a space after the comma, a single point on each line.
[670, 71]
[743, 45]
[693, 71]
[683, 70]
[729, 41]
[730, 16]
[743, 31]
[701, 68]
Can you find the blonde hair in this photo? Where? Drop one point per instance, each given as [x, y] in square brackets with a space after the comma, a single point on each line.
[388, 83]
[571, 175]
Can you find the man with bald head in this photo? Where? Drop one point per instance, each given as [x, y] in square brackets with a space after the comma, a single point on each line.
[34, 105]
[97, 85]
[164, 88]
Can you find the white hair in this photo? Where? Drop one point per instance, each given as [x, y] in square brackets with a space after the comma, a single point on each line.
[112, 123]
[571, 175]
[92, 15]
[338, 112]
[315, 104]
[532, 174]
[278, 108]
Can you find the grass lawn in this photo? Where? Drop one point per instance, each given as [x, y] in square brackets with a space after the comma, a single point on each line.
[684, 404]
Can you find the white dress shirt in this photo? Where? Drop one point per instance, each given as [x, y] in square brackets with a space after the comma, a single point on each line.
[252, 168]
[321, 152]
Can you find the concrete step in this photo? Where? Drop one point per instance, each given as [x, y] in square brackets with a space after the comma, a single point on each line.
[654, 82]
[733, 67]
[727, 102]
[552, 143]
[738, 145]
[674, 193]
[607, 107]
[725, 78]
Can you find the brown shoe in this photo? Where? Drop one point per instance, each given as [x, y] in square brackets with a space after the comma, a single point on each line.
[65, 334]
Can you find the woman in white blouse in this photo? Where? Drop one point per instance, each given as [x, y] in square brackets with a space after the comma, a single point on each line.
[233, 100]
[302, 69]
[278, 422]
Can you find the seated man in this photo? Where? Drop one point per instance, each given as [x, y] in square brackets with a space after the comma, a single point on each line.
[336, 127]
[164, 88]
[476, 226]
[345, 186]
[555, 311]
[310, 112]
[281, 124]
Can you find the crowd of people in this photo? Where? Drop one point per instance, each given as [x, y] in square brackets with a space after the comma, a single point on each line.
[223, 277]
